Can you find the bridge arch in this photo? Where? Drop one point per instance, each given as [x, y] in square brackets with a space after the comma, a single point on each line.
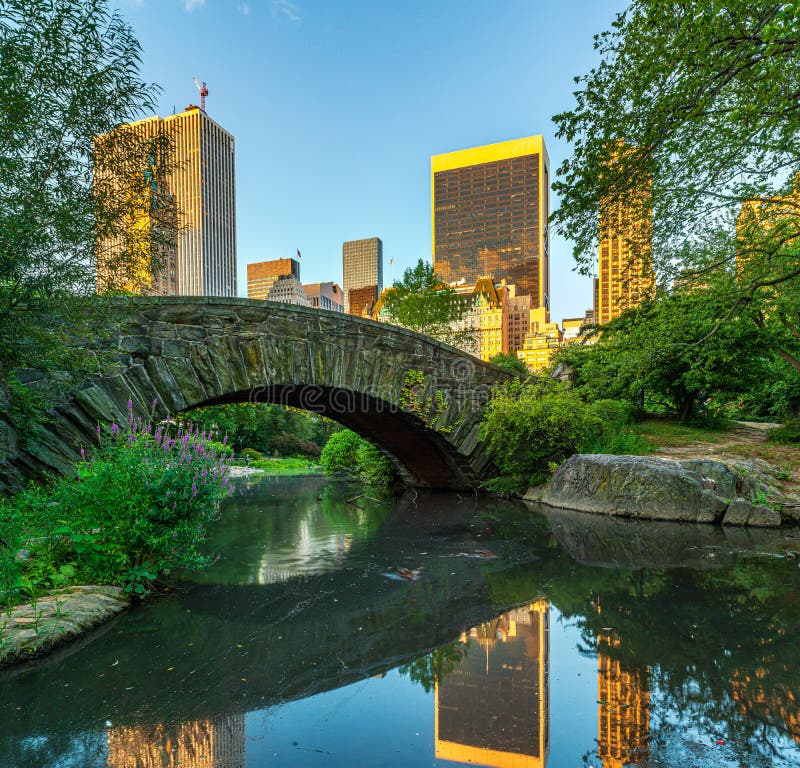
[416, 399]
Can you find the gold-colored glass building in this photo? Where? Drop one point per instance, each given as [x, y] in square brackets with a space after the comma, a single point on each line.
[362, 267]
[201, 180]
[490, 212]
[625, 269]
[213, 743]
[262, 275]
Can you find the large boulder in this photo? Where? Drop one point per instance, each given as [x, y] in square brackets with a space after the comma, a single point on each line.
[635, 486]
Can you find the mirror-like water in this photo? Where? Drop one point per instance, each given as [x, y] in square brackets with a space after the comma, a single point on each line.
[433, 630]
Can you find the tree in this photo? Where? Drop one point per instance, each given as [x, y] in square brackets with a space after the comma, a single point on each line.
[424, 303]
[509, 362]
[704, 96]
[673, 352]
[68, 74]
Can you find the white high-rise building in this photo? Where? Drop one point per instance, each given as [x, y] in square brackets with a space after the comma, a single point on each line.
[203, 186]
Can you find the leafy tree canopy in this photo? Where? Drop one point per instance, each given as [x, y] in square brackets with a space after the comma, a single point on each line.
[423, 302]
[674, 352]
[703, 95]
[69, 72]
[509, 361]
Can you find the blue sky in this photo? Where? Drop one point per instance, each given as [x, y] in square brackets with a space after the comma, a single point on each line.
[337, 106]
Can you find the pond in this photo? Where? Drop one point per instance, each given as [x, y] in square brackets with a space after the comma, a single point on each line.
[433, 630]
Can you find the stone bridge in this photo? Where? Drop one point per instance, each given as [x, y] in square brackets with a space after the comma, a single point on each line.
[416, 399]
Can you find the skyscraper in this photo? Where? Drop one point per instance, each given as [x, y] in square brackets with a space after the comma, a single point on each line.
[625, 271]
[362, 265]
[262, 275]
[201, 181]
[490, 208]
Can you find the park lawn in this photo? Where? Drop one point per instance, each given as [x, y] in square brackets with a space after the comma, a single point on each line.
[285, 465]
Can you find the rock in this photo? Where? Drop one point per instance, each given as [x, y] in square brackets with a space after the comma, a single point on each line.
[633, 486]
[764, 517]
[33, 629]
[738, 512]
[722, 478]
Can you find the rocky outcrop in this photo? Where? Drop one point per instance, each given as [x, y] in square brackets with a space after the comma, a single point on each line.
[695, 490]
[33, 629]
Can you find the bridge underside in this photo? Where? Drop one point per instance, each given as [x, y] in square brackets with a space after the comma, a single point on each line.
[423, 457]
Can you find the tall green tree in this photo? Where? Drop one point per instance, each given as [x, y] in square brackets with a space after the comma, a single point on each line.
[424, 303]
[703, 97]
[69, 72]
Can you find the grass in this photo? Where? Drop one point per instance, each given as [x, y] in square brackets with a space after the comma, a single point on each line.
[285, 465]
[662, 433]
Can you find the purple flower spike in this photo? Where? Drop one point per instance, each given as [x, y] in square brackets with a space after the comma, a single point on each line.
[114, 429]
[83, 454]
[98, 430]
[155, 402]
[130, 405]
[167, 419]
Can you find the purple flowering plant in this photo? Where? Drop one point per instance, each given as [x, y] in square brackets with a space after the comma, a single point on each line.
[138, 508]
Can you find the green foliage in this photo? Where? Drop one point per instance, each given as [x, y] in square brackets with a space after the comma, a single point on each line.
[347, 452]
[528, 425]
[68, 73]
[509, 362]
[136, 510]
[788, 433]
[431, 669]
[670, 354]
[340, 452]
[690, 121]
[266, 428]
[424, 303]
[250, 453]
[714, 85]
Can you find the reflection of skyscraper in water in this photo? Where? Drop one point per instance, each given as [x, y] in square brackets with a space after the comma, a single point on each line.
[216, 743]
[493, 708]
[623, 714]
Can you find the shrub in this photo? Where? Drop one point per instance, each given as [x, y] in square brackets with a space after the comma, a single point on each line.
[251, 452]
[137, 509]
[787, 433]
[530, 425]
[346, 452]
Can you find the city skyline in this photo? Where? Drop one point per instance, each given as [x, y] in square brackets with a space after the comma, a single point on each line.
[296, 167]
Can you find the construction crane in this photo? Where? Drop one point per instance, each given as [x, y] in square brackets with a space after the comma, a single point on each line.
[203, 93]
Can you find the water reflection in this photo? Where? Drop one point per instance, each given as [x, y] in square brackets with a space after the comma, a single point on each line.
[492, 707]
[216, 743]
[667, 646]
[623, 716]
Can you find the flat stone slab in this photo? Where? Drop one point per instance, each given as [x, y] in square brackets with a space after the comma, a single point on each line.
[33, 629]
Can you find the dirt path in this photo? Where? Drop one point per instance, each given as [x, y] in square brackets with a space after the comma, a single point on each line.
[747, 440]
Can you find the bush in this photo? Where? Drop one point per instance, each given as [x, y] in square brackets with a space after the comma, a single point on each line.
[530, 425]
[346, 452]
[137, 510]
[788, 433]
